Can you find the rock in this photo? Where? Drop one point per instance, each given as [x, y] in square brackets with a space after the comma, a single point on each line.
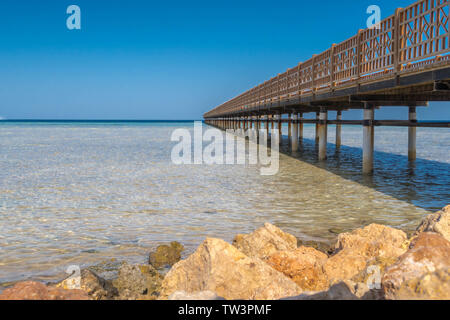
[374, 269]
[137, 282]
[107, 269]
[339, 291]
[202, 295]
[438, 222]
[357, 250]
[96, 287]
[166, 255]
[31, 290]
[374, 241]
[344, 290]
[265, 241]
[302, 265]
[344, 265]
[428, 253]
[219, 267]
[363, 292]
[431, 286]
[318, 245]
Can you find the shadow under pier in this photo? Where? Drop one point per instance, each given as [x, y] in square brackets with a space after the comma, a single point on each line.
[423, 183]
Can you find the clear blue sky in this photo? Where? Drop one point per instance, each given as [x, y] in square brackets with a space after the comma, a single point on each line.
[164, 59]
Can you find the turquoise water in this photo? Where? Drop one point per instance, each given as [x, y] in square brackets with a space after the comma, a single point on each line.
[85, 192]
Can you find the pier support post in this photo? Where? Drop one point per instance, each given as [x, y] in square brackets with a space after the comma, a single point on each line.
[338, 130]
[294, 134]
[258, 125]
[280, 126]
[368, 139]
[289, 127]
[412, 131]
[300, 128]
[322, 130]
[317, 127]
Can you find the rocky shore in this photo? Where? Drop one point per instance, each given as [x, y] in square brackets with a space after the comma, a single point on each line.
[374, 262]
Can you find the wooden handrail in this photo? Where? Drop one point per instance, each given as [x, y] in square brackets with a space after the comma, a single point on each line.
[405, 40]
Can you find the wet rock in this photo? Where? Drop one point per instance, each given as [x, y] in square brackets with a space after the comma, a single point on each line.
[137, 282]
[166, 255]
[428, 253]
[438, 222]
[303, 265]
[107, 269]
[31, 290]
[96, 287]
[219, 267]
[357, 250]
[264, 242]
[318, 245]
[202, 295]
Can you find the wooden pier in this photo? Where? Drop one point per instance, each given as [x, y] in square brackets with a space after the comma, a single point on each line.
[404, 62]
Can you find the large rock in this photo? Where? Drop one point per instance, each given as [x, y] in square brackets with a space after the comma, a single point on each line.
[303, 265]
[31, 290]
[219, 267]
[431, 286]
[344, 265]
[357, 250]
[138, 282]
[438, 222]
[96, 287]
[166, 255]
[265, 241]
[428, 253]
[375, 240]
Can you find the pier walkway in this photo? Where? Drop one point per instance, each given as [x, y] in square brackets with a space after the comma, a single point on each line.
[403, 62]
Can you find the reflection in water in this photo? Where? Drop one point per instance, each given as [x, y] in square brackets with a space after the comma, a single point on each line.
[77, 193]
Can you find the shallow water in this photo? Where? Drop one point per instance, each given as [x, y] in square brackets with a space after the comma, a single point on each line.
[83, 193]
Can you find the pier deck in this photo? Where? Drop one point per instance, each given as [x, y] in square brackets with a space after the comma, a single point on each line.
[404, 61]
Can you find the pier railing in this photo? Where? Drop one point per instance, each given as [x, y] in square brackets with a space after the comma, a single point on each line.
[411, 39]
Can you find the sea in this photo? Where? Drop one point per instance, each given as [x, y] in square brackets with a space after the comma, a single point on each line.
[87, 193]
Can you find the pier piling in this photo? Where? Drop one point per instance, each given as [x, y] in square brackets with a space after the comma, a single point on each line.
[412, 131]
[322, 133]
[294, 134]
[338, 129]
[317, 127]
[368, 139]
